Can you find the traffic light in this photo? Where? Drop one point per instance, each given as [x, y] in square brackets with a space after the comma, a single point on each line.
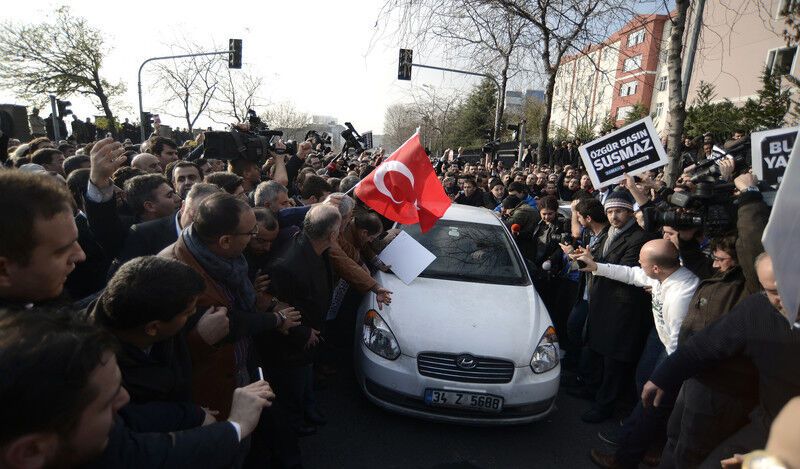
[234, 53]
[404, 64]
[147, 123]
[63, 108]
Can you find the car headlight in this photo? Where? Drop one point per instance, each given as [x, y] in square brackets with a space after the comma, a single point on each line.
[545, 357]
[378, 337]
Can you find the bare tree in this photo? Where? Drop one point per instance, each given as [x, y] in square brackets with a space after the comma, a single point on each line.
[188, 82]
[284, 115]
[434, 112]
[563, 26]
[237, 92]
[64, 57]
[399, 123]
[489, 39]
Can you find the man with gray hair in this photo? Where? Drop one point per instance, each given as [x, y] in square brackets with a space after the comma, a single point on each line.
[150, 237]
[272, 195]
[303, 278]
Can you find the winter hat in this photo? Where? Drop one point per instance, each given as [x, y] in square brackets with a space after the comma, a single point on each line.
[619, 199]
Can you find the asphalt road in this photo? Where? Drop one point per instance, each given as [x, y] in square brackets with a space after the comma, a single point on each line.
[361, 435]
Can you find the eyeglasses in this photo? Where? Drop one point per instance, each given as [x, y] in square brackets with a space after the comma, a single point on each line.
[250, 233]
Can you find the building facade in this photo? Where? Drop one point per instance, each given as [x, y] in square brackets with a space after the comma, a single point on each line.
[606, 80]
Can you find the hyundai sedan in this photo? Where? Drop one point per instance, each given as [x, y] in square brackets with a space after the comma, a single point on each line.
[468, 341]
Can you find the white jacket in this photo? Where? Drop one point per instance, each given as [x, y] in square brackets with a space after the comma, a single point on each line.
[671, 297]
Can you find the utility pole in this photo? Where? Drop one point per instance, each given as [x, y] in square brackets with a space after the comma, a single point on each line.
[691, 48]
[521, 143]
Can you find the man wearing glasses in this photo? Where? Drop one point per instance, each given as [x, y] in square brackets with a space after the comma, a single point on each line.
[220, 341]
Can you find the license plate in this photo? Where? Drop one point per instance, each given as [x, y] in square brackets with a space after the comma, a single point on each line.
[463, 400]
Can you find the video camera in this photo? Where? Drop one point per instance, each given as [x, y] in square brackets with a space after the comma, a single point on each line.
[253, 144]
[709, 206]
[316, 140]
[352, 140]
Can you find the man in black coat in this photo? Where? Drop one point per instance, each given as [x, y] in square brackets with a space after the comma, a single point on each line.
[61, 395]
[619, 318]
[303, 278]
[151, 237]
[756, 329]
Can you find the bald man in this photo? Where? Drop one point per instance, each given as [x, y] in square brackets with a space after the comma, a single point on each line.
[672, 287]
[147, 163]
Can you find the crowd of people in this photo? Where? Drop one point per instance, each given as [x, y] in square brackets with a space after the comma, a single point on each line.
[163, 309]
[687, 316]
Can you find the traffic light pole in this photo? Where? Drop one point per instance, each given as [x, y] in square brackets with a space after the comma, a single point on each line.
[496, 131]
[139, 81]
[56, 127]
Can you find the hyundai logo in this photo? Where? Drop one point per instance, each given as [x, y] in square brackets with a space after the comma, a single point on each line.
[466, 362]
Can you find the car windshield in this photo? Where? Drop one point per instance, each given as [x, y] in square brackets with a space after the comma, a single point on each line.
[470, 252]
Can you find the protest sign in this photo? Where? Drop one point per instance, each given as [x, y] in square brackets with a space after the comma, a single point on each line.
[632, 149]
[780, 235]
[770, 152]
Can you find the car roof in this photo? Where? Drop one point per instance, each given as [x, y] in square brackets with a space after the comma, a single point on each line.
[458, 212]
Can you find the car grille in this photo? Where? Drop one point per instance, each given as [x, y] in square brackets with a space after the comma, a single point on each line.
[443, 366]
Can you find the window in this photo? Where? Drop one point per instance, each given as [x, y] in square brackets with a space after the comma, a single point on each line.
[636, 37]
[780, 61]
[628, 89]
[622, 112]
[659, 109]
[786, 6]
[662, 83]
[470, 252]
[632, 64]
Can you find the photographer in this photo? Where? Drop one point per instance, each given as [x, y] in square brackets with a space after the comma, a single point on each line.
[716, 402]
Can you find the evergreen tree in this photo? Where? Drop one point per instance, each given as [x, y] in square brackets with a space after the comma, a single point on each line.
[721, 119]
[607, 126]
[638, 111]
[769, 109]
[475, 118]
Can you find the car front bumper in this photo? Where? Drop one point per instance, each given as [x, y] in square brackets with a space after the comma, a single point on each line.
[396, 385]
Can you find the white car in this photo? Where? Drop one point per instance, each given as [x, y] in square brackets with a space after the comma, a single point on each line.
[469, 340]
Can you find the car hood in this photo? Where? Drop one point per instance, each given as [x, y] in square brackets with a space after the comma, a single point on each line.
[433, 315]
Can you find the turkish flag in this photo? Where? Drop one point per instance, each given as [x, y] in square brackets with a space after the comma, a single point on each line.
[404, 188]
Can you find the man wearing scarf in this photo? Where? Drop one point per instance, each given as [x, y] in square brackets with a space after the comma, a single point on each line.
[220, 341]
[619, 318]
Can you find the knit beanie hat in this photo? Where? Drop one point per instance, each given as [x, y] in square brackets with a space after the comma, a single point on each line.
[619, 199]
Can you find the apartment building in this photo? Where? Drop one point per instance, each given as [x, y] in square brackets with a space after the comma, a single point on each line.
[630, 67]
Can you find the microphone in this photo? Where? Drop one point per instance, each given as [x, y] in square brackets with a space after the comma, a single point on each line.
[547, 265]
[515, 229]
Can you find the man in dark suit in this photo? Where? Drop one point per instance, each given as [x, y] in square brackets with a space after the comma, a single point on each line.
[619, 317]
[151, 237]
[303, 277]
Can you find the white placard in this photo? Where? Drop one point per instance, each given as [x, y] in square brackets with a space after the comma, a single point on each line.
[781, 235]
[407, 257]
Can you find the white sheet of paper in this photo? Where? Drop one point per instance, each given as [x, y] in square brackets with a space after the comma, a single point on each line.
[407, 257]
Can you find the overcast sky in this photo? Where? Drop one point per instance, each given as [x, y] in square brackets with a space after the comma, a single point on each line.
[326, 57]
